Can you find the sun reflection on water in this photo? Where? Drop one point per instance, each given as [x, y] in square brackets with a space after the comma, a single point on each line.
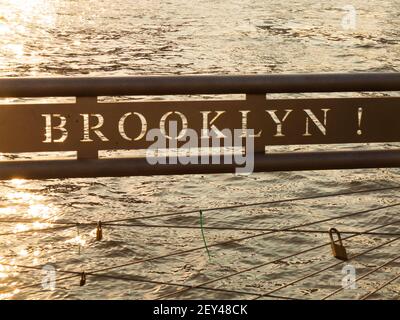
[20, 227]
[3, 272]
[17, 182]
[17, 20]
[24, 210]
[43, 211]
[9, 295]
[8, 211]
[78, 240]
[23, 197]
[23, 252]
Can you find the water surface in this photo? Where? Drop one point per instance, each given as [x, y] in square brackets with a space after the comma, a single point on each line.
[126, 37]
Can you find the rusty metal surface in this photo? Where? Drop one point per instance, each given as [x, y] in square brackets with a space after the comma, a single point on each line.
[199, 84]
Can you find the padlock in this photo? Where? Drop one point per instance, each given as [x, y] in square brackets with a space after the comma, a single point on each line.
[82, 282]
[99, 232]
[338, 250]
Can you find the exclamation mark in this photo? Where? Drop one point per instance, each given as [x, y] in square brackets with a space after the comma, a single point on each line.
[360, 111]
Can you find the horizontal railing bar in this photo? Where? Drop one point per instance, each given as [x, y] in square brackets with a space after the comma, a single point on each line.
[198, 84]
[113, 167]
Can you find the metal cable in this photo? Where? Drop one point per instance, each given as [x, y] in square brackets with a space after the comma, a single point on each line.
[214, 244]
[380, 287]
[73, 224]
[279, 259]
[269, 294]
[135, 279]
[331, 266]
[37, 230]
[242, 239]
[250, 229]
[362, 277]
[256, 204]
[210, 209]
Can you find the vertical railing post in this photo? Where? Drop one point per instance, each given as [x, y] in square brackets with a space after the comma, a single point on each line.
[86, 151]
[257, 100]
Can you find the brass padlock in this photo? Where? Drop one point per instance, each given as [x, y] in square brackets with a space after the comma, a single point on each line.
[99, 232]
[338, 250]
[82, 282]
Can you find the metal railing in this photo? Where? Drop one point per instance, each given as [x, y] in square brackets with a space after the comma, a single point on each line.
[198, 84]
[379, 121]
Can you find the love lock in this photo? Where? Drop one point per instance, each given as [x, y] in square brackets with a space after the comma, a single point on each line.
[82, 282]
[99, 232]
[338, 250]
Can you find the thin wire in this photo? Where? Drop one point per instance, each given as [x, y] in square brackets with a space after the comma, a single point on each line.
[362, 277]
[72, 224]
[209, 209]
[255, 204]
[75, 273]
[276, 260]
[201, 286]
[84, 224]
[40, 283]
[269, 294]
[203, 227]
[243, 238]
[130, 278]
[380, 287]
[41, 221]
[250, 229]
[35, 268]
[214, 244]
[37, 230]
[331, 266]
[22, 221]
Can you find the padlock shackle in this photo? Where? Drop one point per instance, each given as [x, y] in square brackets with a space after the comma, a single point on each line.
[331, 230]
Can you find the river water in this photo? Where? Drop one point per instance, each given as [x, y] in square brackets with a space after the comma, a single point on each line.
[126, 37]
